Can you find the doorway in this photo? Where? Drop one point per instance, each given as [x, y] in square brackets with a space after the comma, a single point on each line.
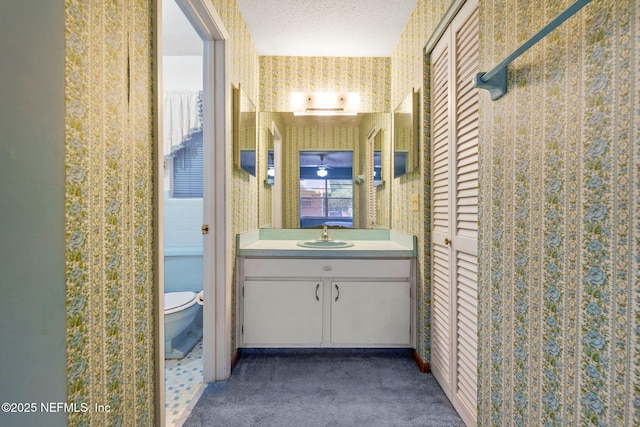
[183, 147]
[212, 227]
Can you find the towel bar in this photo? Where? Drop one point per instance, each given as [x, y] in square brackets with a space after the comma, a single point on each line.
[495, 81]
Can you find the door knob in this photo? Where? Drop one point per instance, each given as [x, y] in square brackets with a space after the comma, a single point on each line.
[447, 241]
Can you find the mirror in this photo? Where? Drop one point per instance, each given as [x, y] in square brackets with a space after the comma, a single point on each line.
[244, 130]
[405, 135]
[280, 195]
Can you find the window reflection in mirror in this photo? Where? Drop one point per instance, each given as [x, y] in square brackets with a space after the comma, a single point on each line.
[244, 130]
[405, 135]
[377, 159]
[271, 169]
[326, 189]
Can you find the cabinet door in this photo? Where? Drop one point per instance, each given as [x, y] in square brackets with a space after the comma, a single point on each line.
[371, 313]
[282, 313]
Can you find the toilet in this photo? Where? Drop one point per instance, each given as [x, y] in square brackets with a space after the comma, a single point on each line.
[181, 327]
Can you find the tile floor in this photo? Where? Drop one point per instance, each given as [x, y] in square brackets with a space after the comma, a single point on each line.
[183, 386]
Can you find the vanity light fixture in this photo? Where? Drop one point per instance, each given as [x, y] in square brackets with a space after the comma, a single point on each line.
[325, 103]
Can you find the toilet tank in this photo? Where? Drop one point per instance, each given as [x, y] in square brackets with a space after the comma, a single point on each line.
[183, 269]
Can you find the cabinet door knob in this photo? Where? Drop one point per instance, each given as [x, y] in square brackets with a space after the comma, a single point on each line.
[317, 288]
[338, 292]
[447, 241]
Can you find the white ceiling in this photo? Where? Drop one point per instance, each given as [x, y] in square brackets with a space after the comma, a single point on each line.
[178, 36]
[351, 28]
[326, 27]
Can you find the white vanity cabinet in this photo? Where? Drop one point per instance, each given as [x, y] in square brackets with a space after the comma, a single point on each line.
[325, 302]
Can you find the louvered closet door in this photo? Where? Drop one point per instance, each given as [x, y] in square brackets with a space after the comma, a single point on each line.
[441, 316]
[455, 218]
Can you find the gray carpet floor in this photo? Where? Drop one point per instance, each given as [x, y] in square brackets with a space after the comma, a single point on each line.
[311, 387]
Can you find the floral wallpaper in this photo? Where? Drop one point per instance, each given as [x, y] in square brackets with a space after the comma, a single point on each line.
[560, 218]
[109, 212]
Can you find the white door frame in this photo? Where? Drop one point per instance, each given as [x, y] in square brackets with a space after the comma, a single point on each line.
[217, 187]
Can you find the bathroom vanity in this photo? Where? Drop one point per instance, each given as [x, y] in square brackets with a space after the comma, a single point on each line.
[356, 295]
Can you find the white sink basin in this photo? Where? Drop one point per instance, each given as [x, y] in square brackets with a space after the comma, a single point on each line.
[325, 244]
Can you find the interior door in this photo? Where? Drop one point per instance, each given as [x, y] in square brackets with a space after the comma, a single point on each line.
[454, 140]
[440, 227]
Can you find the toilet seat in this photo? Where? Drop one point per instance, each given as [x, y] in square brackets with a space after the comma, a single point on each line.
[177, 301]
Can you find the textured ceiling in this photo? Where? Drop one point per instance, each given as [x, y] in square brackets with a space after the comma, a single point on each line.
[348, 28]
[326, 27]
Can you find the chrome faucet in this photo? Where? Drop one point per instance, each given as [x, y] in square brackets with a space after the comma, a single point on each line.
[325, 234]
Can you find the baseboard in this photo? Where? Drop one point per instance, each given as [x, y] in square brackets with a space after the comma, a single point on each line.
[422, 366]
[234, 358]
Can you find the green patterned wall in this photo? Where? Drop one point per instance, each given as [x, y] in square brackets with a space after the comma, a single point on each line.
[109, 212]
[559, 285]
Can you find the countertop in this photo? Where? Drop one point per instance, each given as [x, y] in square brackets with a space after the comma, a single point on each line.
[283, 243]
